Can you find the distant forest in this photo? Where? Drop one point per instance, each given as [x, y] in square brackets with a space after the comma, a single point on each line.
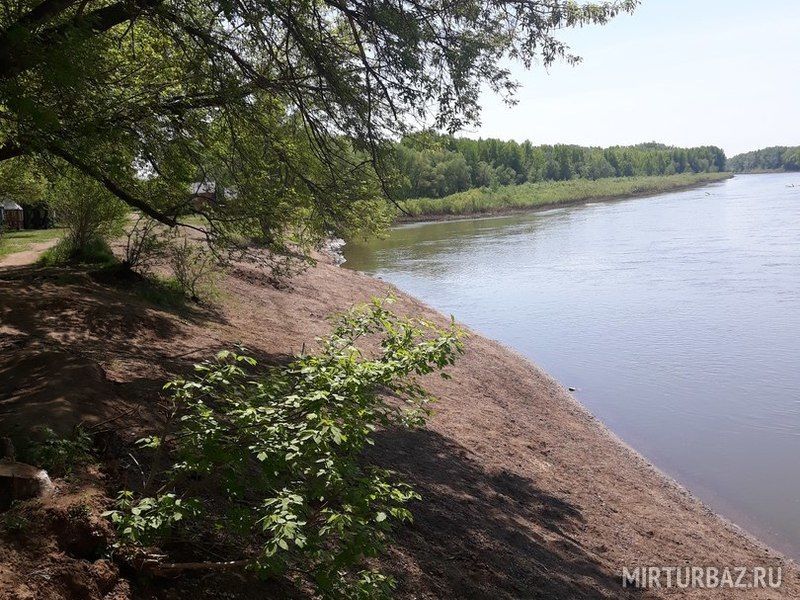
[774, 158]
[435, 166]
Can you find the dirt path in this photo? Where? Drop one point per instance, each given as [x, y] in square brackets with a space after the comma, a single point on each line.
[525, 494]
[27, 257]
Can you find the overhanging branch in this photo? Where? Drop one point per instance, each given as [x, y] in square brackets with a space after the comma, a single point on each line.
[112, 186]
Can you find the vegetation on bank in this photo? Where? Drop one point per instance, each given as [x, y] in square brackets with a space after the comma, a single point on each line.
[435, 166]
[549, 193]
[765, 160]
[279, 453]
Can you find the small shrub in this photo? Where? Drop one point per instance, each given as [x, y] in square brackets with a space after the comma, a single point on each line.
[144, 245]
[282, 450]
[59, 455]
[95, 252]
[15, 522]
[149, 519]
[194, 267]
[89, 212]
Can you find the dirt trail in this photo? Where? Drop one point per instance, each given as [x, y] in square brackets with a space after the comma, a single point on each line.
[525, 494]
[27, 257]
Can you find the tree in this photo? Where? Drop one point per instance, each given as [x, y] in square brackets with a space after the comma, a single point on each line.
[87, 211]
[774, 158]
[483, 174]
[289, 103]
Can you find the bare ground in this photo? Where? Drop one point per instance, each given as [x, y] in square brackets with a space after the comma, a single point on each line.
[525, 494]
[26, 257]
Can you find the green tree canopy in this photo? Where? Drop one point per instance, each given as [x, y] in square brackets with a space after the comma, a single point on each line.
[774, 158]
[285, 104]
[434, 166]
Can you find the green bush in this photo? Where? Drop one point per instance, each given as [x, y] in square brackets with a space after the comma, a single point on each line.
[194, 266]
[282, 449]
[60, 455]
[14, 522]
[89, 213]
[95, 252]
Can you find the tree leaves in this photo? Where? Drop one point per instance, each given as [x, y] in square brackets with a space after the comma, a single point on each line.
[286, 106]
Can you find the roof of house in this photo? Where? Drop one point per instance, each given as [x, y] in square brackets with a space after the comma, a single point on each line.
[9, 205]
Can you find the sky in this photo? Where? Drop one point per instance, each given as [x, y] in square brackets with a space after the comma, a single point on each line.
[681, 72]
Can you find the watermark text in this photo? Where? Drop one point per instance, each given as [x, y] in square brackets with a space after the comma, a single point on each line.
[685, 577]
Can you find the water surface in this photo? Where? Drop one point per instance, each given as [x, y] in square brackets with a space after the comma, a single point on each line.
[676, 317]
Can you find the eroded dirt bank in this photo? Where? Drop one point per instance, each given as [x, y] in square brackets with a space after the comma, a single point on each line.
[525, 494]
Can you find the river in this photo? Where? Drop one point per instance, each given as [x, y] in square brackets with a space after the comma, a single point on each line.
[676, 318]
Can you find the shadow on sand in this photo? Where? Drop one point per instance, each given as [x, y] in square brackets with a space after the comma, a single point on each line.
[478, 534]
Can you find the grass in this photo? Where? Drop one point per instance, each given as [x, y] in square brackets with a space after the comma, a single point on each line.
[165, 292]
[550, 193]
[97, 253]
[12, 242]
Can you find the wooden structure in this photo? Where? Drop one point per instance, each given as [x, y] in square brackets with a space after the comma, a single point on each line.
[11, 215]
[202, 194]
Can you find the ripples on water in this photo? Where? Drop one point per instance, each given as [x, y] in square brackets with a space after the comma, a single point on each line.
[677, 317]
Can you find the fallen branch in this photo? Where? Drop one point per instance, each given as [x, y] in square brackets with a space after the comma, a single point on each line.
[155, 567]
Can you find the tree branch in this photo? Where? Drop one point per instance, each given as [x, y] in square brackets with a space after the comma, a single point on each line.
[112, 186]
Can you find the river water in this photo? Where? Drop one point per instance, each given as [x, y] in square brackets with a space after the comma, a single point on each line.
[675, 317]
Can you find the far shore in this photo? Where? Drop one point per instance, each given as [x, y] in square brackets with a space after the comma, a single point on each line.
[503, 210]
[764, 172]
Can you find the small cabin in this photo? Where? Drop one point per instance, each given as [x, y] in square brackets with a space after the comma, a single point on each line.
[202, 194]
[11, 215]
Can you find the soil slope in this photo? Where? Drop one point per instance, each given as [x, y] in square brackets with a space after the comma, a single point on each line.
[525, 494]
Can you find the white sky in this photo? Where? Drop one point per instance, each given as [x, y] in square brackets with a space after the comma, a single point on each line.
[682, 72]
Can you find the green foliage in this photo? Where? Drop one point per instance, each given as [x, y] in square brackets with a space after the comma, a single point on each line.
[60, 455]
[96, 252]
[530, 195]
[21, 181]
[436, 166]
[282, 449]
[774, 158]
[149, 519]
[15, 522]
[287, 106]
[194, 267]
[89, 213]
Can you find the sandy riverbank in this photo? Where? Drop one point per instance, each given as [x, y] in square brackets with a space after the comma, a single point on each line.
[525, 494]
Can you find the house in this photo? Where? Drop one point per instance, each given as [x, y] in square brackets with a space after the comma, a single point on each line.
[11, 215]
[207, 194]
[202, 194]
[37, 215]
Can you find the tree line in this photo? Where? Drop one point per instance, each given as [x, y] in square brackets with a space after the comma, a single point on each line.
[434, 166]
[774, 158]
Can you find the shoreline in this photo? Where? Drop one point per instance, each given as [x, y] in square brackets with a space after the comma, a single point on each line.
[607, 440]
[525, 492]
[506, 211]
[637, 456]
[613, 437]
